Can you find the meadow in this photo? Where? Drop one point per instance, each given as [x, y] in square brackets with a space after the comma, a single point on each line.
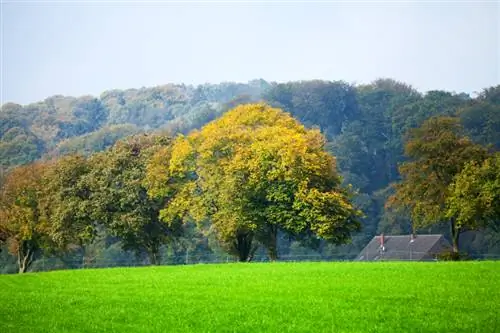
[271, 297]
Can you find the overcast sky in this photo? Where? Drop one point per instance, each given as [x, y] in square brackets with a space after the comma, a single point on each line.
[82, 48]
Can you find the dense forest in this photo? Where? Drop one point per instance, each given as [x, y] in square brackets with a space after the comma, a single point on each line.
[374, 131]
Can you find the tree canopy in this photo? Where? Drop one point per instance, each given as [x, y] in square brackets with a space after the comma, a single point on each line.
[255, 171]
[21, 224]
[474, 198]
[364, 127]
[119, 197]
[438, 152]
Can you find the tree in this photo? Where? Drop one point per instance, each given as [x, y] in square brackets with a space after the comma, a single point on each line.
[120, 200]
[256, 171]
[438, 153]
[20, 221]
[65, 205]
[474, 199]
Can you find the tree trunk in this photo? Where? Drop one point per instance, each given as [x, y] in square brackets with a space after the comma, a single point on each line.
[455, 236]
[154, 255]
[253, 249]
[153, 251]
[272, 246]
[25, 254]
[243, 247]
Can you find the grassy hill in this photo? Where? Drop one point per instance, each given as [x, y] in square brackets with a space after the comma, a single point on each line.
[280, 297]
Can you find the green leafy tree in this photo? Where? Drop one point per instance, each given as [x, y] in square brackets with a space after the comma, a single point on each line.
[65, 205]
[120, 200]
[474, 199]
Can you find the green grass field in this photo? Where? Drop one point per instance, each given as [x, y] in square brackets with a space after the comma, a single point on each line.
[273, 297]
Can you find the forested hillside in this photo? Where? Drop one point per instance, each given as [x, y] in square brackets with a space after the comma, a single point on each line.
[366, 127]
[68, 124]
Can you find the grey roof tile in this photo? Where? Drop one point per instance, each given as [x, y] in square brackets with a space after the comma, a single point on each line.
[423, 247]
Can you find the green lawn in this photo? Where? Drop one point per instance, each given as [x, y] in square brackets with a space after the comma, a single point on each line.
[272, 297]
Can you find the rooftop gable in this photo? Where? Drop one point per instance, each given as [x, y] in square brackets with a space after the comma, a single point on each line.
[405, 247]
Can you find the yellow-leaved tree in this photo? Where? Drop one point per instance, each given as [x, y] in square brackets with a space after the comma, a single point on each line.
[251, 173]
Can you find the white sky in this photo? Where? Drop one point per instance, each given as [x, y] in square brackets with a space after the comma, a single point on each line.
[76, 48]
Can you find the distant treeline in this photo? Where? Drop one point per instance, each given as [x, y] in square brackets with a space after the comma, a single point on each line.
[366, 129]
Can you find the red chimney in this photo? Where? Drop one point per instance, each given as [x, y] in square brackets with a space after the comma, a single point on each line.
[382, 241]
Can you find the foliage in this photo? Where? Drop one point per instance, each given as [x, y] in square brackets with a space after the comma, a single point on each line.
[481, 117]
[119, 198]
[438, 153]
[48, 126]
[364, 125]
[253, 172]
[19, 146]
[328, 105]
[96, 141]
[65, 206]
[21, 226]
[452, 256]
[474, 198]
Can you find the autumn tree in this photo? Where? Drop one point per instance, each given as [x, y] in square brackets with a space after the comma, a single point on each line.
[437, 153]
[20, 221]
[251, 173]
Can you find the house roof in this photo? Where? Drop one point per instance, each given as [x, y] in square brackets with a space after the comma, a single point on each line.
[403, 248]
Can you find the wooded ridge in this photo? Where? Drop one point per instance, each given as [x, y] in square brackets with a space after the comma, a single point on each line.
[300, 167]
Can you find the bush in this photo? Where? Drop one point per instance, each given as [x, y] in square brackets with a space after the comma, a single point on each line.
[453, 256]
